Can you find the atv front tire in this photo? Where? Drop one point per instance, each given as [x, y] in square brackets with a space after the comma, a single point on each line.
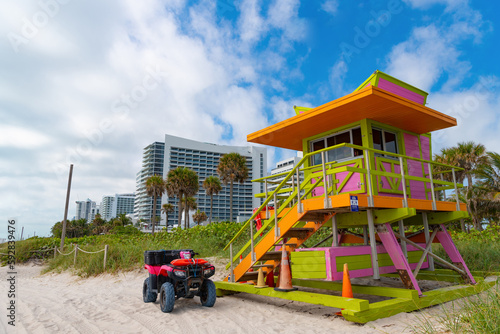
[207, 296]
[147, 295]
[167, 297]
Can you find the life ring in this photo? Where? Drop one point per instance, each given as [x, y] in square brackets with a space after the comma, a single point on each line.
[187, 262]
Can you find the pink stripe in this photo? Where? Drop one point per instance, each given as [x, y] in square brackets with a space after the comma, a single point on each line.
[328, 265]
[412, 149]
[401, 91]
[425, 147]
[391, 244]
[452, 251]
[369, 271]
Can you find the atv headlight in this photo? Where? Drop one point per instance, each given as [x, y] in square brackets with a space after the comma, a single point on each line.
[207, 272]
[180, 273]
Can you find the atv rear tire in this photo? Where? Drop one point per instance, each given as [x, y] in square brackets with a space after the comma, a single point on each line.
[208, 296]
[167, 297]
[147, 295]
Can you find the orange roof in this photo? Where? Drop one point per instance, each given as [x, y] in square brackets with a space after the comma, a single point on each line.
[371, 102]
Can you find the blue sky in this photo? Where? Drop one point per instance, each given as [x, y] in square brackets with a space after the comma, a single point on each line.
[93, 82]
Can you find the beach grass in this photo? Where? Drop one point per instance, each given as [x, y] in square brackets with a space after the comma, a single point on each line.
[474, 314]
[478, 314]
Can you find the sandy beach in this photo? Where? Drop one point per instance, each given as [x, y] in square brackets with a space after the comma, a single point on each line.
[65, 303]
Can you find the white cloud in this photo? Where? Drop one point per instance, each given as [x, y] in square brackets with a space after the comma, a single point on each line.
[251, 24]
[281, 110]
[337, 77]
[434, 54]
[330, 6]
[425, 4]
[422, 59]
[476, 111]
[21, 138]
[435, 49]
[94, 92]
[283, 14]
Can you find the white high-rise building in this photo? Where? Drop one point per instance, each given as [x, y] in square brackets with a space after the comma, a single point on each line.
[107, 207]
[283, 166]
[152, 164]
[112, 206]
[203, 158]
[86, 210]
[123, 203]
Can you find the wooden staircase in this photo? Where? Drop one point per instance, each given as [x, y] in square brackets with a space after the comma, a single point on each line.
[294, 229]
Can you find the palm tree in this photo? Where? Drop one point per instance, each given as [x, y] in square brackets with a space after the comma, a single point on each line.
[232, 168]
[490, 174]
[182, 182]
[212, 187]
[472, 158]
[99, 225]
[190, 205]
[166, 209]
[123, 219]
[199, 217]
[155, 186]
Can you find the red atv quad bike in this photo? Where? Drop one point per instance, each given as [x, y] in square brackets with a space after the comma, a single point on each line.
[175, 274]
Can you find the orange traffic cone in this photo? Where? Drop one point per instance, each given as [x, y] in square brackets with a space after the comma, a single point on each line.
[285, 278]
[346, 285]
[260, 280]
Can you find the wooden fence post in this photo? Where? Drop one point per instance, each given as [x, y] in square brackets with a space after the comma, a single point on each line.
[76, 252]
[105, 255]
[55, 252]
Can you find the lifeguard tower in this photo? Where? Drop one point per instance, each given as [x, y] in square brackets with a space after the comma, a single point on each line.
[366, 172]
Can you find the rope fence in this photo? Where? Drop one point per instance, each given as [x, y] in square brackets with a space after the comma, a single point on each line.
[55, 249]
[75, 250]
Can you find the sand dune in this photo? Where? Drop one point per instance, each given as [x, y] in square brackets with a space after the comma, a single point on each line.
[64, 303]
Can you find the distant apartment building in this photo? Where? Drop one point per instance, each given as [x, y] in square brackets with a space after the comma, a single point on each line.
[203, 158]
[86, 210]
[107, 207]
[282, 167]
[152, 164]
[113, 206]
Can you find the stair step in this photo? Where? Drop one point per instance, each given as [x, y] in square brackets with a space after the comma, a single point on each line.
[249, 276]
[312, 216]
[257, 266]
[299, 233]
[274, 255]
